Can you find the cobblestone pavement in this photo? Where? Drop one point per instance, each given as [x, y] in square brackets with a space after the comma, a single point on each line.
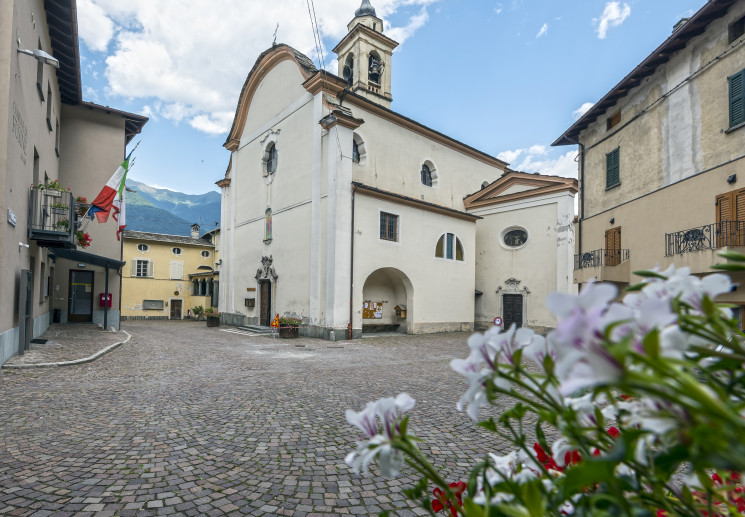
[191, 420]
[68, 342]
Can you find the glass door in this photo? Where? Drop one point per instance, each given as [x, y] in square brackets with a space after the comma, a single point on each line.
[80, 301]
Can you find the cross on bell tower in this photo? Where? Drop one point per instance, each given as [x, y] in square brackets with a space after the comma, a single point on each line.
[364, 56]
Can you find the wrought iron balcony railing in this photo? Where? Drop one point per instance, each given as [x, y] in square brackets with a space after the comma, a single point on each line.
[601, 257]
[708, 237]
[52, 218]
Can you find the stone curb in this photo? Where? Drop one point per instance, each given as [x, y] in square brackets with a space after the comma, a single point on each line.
[71, 363]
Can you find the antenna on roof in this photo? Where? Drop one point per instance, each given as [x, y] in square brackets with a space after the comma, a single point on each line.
[274, 43]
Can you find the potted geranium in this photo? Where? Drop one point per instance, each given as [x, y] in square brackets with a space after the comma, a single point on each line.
[213, 317]
[82, 239]
[53, 188]
[288, 327]
[82, 206]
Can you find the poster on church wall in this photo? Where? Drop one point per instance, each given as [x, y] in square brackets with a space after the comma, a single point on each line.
[372, 310]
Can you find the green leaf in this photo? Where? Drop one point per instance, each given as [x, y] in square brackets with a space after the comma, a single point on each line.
[384, 513]
[532, 498]
[509, 511]
[667, 462]
[636, 287]
[651, 343]
[541, 436]
[729, 267]
[488, 424]
[404, 425]
[649, 274]
[472, 509]
[733, 255]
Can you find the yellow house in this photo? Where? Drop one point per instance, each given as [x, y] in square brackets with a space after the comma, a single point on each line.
[167, 275]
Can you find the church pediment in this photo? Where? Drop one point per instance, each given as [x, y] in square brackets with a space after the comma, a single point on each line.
[264, 64]
[519, 185]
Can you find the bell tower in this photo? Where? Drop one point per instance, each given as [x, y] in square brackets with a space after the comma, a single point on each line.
[364, 56]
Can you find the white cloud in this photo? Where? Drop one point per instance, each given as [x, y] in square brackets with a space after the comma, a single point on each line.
[577, 114]
[498, 9]
[539, 158]
[96, 29]
[613, 15]
[543, 31]
[187, 60]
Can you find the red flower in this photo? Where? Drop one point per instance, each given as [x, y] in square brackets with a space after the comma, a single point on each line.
[614, 432]
[716, 479]
[440, 502]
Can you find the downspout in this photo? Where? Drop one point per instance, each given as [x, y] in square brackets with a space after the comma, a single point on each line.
[351, 271]
[581, 190]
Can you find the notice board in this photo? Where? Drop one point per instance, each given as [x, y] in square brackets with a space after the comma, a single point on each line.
[372, 310]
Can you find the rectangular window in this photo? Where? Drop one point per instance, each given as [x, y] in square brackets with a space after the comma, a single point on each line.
[388, 226]
[177, 270]
[56, 138]
[141, 268]
[42, 283]
[736, 100]
[613, 120]
[737, 29]
[40, 76]
[153, 305]
[450, 245]
[612, 168]
[49, 107]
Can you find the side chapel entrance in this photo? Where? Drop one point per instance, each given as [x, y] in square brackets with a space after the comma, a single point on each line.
[266, 277]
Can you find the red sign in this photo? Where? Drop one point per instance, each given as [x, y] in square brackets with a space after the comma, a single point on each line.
[275, 322]
[101, 301]
[498, 321]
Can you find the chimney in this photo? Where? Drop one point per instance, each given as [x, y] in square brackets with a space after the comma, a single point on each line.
[195, 231]
[680, 23]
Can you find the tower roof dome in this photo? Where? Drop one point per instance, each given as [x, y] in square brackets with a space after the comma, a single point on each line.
[365, 9]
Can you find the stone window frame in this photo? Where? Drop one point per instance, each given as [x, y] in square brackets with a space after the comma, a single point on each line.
[509, 229]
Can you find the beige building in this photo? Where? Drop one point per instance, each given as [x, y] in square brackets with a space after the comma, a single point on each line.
[168, 275]
[51, 135]
[348, 215]
[661, 156]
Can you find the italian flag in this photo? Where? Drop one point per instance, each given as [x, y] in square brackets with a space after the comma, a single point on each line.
[111, 192]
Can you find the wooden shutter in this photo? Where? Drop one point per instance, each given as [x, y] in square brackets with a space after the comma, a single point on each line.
[177, 270]
[150, 269]
[736, 99]
[724, 207]
[613, 246]
[612, 168]
[133, 270]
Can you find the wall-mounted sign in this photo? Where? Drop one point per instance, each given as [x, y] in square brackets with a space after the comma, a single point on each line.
[12, 217]
[498, 321]
[250, 289]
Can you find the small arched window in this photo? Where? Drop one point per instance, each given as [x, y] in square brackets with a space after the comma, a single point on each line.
[271, 158]
[375, 69]
[355, 151]
[426, 175]
[348, 70]
[176, 251]
[143, 247]
[449, 247]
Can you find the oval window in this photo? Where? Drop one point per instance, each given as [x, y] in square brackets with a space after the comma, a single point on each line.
[515, 238]
[205, 254]
[143, 247]
[176, 251]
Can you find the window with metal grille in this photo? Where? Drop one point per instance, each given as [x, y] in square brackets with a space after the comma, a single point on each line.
[388, 226]
[612, 168]
[736, 99]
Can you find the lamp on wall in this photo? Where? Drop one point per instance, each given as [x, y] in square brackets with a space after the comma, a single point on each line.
[612, 220]
[732, 178]
[39, 54]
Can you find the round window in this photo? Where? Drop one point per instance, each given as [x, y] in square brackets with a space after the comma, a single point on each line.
[515, 237]
[176, 251]
[143, 247]
[205, 254]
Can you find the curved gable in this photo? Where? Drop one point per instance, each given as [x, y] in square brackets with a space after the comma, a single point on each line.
[264, 64]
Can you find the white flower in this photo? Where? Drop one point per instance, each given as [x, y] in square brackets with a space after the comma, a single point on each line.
[560, 448]
[379, 434]
[525, 476]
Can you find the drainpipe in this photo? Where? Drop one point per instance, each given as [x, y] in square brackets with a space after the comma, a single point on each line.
[581, 190]
[351, 271]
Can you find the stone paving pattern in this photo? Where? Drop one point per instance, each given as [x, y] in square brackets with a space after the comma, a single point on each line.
[68, 343]
[190, 420]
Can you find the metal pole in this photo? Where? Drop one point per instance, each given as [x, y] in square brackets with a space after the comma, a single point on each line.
[106, 299]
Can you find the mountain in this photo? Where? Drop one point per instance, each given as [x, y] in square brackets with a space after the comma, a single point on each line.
[203, 209]
[143, 216]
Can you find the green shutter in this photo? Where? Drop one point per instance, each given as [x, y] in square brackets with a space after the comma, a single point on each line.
[612, 168]
[736, 107]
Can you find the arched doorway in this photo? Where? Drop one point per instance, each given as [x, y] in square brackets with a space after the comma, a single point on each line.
[387, 302]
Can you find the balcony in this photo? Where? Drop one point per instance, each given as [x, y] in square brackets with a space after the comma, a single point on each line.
[603, 265]
[698, 248]
[52, 218]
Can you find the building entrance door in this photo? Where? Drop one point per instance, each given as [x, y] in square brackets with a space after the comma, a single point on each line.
[513, 310]
[25, 326]
[176, 309]
[613, 246]
[265, 297]
[80, 301]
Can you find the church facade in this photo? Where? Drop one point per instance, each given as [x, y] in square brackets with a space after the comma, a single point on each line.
[352, 217]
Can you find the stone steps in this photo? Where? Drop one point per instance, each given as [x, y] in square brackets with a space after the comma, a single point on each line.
[256, 329]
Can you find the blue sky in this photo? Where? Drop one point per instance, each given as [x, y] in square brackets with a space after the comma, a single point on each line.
[505, 77]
